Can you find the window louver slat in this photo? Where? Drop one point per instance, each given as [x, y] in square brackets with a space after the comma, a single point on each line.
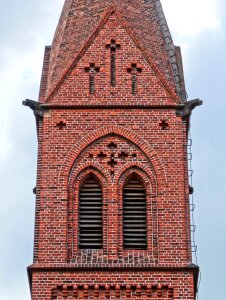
[134, 216]
[90, 215]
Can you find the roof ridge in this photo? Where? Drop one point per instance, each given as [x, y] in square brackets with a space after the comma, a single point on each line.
[170, 47]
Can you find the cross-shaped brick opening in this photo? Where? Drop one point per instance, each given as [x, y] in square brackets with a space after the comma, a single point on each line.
[164, 125]
[112, 145]
[112, 162]
[123, 155]
[101, 155]
[61, 125]
[92, 70]
[113, 46]
[134, 70]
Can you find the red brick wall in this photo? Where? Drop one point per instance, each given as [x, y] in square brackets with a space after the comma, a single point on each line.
[160, 155]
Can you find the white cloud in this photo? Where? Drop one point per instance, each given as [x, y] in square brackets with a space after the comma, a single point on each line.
[21, 55]
[15, 75]
[187, 18]
[25, 29]
[193, 22]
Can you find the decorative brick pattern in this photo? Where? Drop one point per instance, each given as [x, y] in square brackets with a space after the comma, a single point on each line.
[153, 88]
[112, 292]
[122, 131]
[79, 20]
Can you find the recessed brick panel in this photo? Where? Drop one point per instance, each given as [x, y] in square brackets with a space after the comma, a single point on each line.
[76, 86]
[79, 20]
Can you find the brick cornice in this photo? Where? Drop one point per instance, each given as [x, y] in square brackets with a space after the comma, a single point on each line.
[47, 106]
[70, 267]
[101, 106]
[152, 268]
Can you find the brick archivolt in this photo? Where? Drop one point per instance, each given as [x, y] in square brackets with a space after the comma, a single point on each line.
[112, 155]
[112, 159]
[135, 139]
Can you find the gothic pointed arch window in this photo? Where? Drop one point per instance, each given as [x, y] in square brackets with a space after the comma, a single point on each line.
[90, 214]
[134, 214]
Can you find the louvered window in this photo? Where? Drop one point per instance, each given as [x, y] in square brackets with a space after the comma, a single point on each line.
[90, 215]
[134, 215]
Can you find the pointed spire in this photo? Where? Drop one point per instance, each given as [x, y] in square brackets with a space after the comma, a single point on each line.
[144, 19]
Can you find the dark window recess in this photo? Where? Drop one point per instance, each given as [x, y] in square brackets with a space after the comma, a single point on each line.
[134, 215]
[113, 67]
[134, 70]
[92, 70]
[134, 84]
[113, 46]
[90, 215]
[91, 83]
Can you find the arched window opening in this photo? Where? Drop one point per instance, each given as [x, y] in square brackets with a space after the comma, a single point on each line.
[134, 215]
[90, 214]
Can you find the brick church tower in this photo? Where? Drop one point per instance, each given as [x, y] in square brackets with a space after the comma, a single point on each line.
[112, 197]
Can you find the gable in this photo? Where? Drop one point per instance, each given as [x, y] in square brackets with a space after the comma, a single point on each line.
[98, 78]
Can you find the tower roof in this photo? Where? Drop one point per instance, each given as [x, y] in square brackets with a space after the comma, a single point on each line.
[79, 19]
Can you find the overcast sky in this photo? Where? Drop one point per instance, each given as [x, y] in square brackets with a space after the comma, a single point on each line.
[26, 26]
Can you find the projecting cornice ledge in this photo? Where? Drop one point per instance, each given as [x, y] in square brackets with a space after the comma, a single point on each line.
[72, 267]
[183, 110]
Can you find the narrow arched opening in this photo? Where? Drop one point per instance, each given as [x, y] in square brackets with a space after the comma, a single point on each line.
[134, 214]
[90, 214]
